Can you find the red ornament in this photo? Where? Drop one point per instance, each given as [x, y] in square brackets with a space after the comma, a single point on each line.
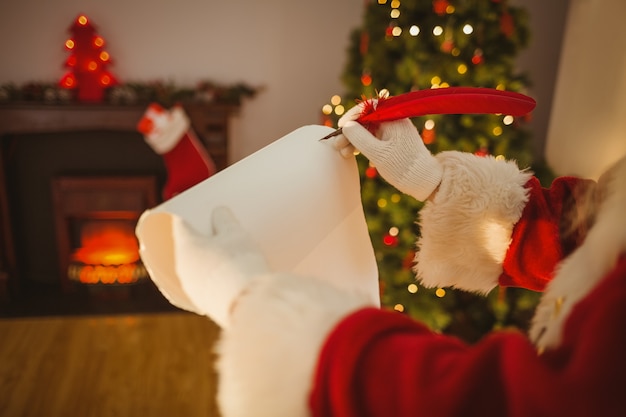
[327, 120]
[478, 57]
[366, 79]
[482, 151]
[428, 136]
[365, 42]
[409, 260]
[447, 45]
[371, 172]
[440, 6]
[507, 26]
[390, 240]
[88, 62]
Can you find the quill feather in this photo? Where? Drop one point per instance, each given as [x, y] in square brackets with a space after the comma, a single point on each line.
[451, 100]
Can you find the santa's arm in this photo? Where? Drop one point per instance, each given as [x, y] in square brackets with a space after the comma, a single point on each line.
[491, 223]
[278, 329]
[485, 222]
[273, 324]
[268, 355]
[466, 225]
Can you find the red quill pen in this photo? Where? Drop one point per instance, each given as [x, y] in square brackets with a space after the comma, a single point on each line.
[452, 100]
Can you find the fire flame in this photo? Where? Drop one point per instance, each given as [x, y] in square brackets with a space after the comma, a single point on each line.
[109, 252]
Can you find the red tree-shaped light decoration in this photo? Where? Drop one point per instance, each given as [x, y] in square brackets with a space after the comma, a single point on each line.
[87, 63]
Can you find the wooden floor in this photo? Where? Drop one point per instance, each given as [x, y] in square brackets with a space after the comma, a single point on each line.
[141, 365]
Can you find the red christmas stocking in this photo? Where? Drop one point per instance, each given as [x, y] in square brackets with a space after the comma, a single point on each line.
[170, 135]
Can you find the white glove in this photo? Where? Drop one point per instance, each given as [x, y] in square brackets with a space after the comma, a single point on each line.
[398, 153]
[216, 267]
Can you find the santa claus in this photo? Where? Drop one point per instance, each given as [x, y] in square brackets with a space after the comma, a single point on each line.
[302, 347]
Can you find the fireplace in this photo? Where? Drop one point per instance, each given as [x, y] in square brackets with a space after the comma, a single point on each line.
[73, 181]
[107, 252]
[95, 219]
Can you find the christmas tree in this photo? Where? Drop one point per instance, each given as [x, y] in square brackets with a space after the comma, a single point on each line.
[419, 44]
[87, 63]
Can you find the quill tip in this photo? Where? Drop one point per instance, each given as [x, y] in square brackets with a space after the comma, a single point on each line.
[332, 134]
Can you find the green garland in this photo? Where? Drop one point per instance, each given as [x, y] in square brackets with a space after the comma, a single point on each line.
[130, 93]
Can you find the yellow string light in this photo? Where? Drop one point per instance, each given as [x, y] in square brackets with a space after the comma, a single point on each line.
[384, 93]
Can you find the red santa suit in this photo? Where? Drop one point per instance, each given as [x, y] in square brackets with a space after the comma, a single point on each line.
[300, 347]
[377, 363]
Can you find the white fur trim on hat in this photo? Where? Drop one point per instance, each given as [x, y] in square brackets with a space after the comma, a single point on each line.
[267, 357]
[466, 228]
[169, 127]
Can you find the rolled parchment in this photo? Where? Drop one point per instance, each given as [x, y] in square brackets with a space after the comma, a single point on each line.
[299, 200]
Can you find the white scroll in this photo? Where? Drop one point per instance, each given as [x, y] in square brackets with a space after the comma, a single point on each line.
[299, 200]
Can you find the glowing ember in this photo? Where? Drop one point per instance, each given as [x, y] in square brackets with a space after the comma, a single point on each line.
[109, 254]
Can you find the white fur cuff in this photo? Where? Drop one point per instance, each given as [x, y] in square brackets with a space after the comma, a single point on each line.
[268, 354]
[466, 229]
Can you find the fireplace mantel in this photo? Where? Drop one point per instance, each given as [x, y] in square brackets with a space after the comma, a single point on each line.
[210, 121]
[41, 118]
